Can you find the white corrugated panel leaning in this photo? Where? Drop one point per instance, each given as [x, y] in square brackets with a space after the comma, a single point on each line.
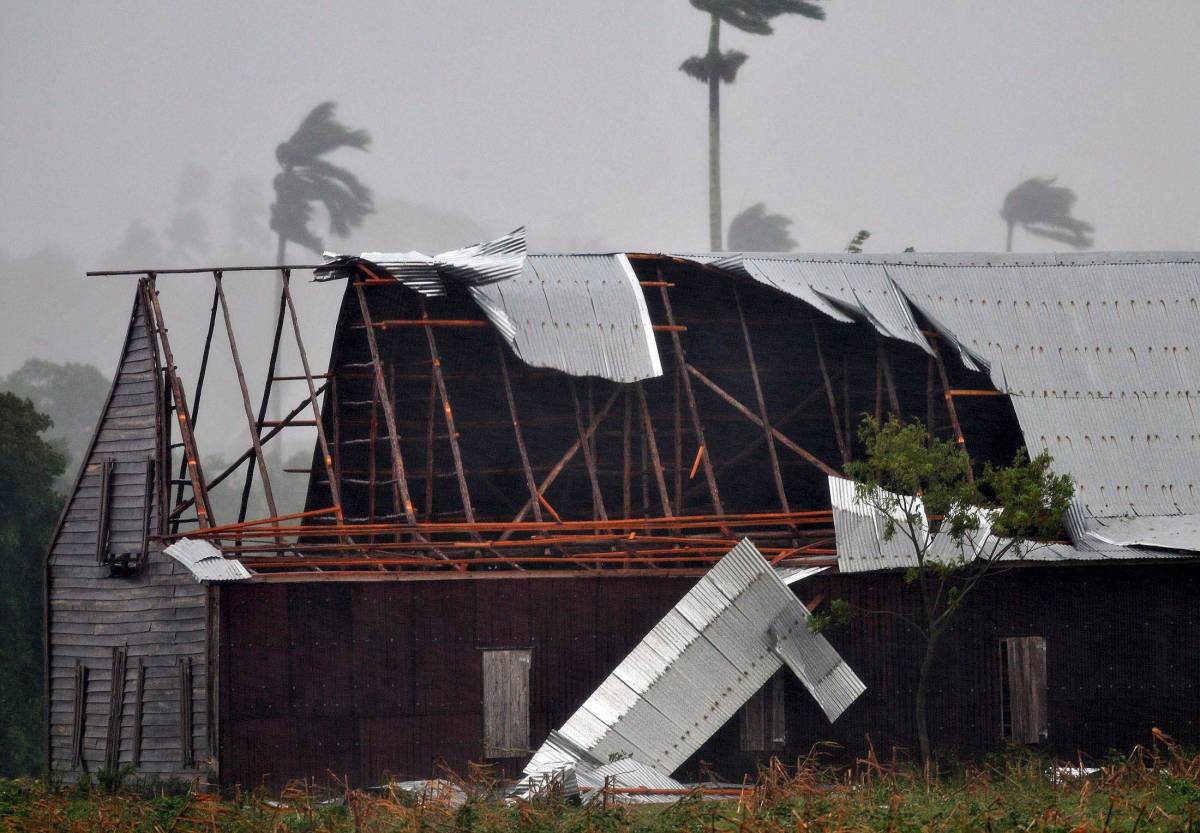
[692, 672]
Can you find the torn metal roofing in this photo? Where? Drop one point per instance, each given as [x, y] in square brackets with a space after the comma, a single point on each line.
[476, 265]
[205, 562]
[692, 672]
[863, 546]
[581, 314]
[560, 759]
[1095, 351]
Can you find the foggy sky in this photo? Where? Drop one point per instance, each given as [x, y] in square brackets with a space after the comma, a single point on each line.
[909, 119]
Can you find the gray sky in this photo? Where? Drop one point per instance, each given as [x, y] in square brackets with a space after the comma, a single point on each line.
[910, 119]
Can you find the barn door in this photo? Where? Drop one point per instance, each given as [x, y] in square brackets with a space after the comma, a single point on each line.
[506, 703]
[1023, 689]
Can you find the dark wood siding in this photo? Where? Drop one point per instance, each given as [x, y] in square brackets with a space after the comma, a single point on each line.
[371, 679]
[386, 677]
[157, 616]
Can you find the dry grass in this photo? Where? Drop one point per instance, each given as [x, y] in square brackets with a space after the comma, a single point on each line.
[1155, 788]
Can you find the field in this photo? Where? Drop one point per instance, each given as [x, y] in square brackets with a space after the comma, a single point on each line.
[1152, 789]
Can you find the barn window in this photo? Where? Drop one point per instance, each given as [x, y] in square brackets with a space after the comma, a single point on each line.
[1023, 689]
[762, 720]
[506, 703]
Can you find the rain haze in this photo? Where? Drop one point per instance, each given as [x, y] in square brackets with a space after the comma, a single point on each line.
[143, 134]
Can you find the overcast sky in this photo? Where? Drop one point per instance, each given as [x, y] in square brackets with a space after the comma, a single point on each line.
[909, 119]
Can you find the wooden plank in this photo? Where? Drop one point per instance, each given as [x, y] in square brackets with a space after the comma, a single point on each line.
[139, 686]
[116, 707]
[506, 702]
[1026, 658]
[186, 752]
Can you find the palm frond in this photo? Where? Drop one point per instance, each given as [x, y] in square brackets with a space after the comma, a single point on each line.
[754, 16]
[1044, 209]
[320, 133]
[855, 246]
[308, 178]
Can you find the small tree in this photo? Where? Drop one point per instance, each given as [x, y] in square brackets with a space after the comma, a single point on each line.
[912, 479]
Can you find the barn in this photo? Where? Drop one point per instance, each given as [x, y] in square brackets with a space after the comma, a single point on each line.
[521, 463]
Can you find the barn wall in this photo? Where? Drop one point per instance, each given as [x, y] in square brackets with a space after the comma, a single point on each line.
[364, 679]
[157, 616]
[1120, 658]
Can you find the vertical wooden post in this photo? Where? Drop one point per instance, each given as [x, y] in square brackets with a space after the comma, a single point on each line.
[245, 390]
[697, 426]
[385, 404]
[886, 365]
[677, 427]
[372, 470]
[589, 460]
[264, 403]
[951, 411]
[430, 450]
[335, 490]
[212, 323]
[652, 447]
[530, 483]
[448, 413]
[762, 403]
[833, 409]
[191, 454]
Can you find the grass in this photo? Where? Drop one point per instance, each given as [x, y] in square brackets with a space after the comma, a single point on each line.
[1155, 788]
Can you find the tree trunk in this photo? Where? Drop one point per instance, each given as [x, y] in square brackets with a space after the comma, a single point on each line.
[1008, 239]
[922, 693]
[714, 136]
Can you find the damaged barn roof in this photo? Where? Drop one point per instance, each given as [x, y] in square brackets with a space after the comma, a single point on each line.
[1095, 352]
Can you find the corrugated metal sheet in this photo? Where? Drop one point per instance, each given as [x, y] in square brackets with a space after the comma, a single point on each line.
[1095, 350]
[696, 667]
[1098, 359]
[581, 314]
[205, 562]
[476, 265]
[791, 575]
[558, 757]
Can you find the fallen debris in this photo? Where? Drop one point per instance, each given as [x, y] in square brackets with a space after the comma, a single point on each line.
[690, 674]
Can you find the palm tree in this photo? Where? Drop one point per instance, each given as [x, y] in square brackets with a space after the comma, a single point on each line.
[754, 230]
[715, 66]
[306, 178]
[1044, 209]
